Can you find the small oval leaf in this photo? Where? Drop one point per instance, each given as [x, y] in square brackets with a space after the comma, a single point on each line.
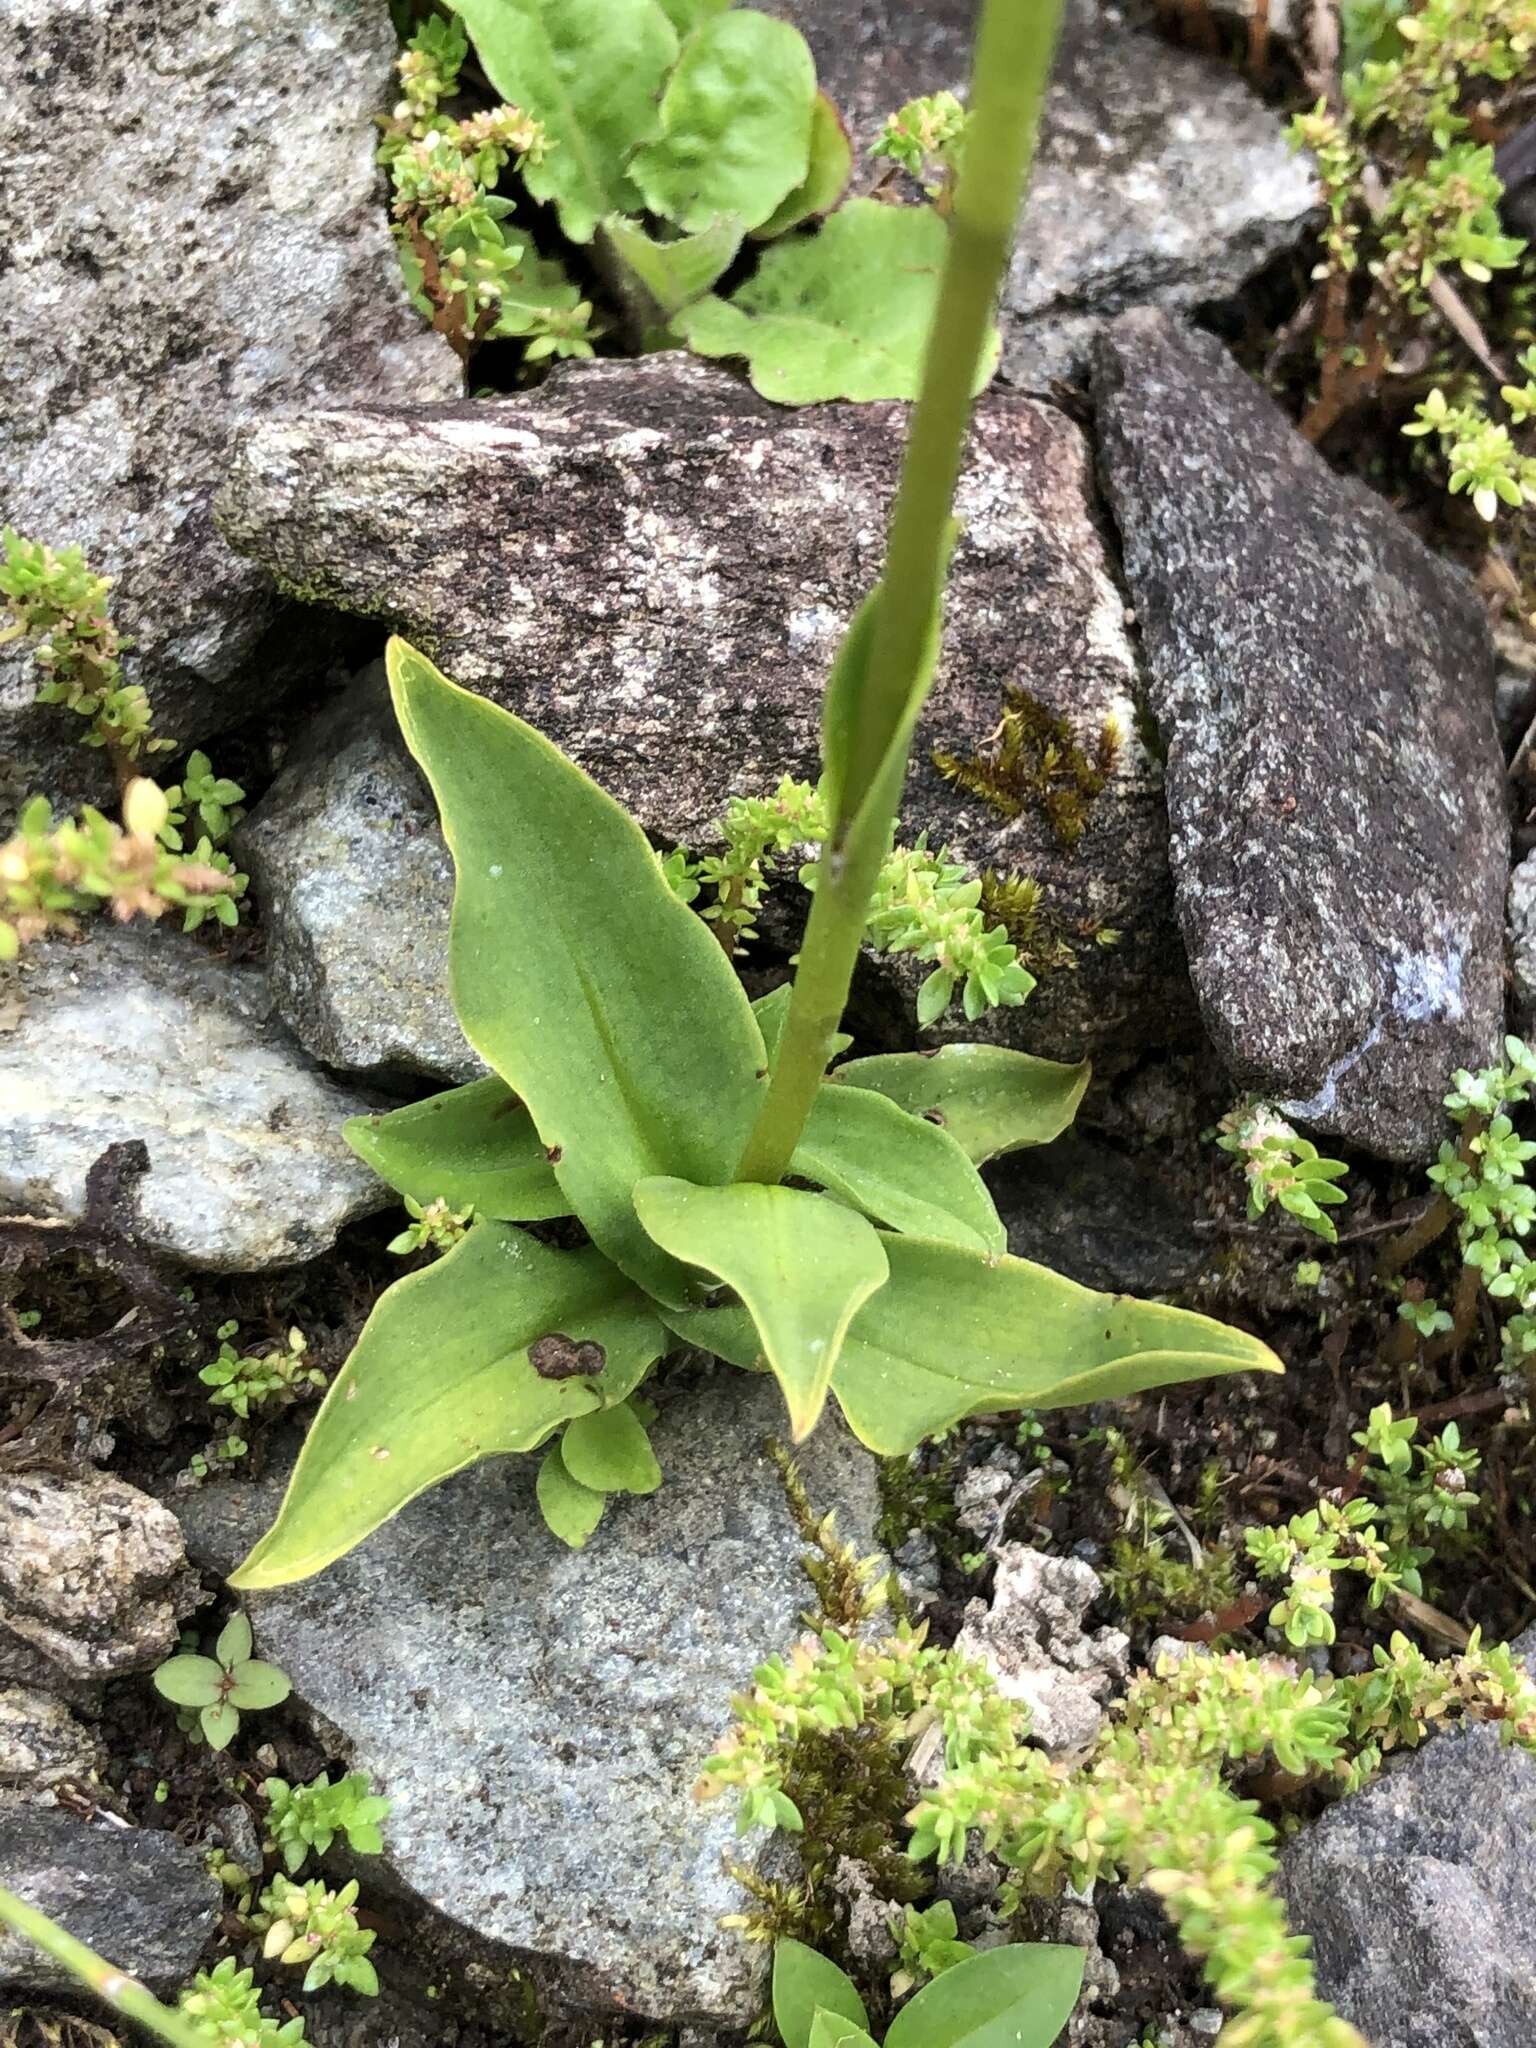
[805, 1983]
[1016, 1997]
[990, 1100]
[474, 1147]
[571, 1511]
[896, 1168]
[610, 1452]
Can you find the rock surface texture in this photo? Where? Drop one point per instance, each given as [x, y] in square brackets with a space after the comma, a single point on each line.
[93, 1580]
[538, 1716]
[1032, 1637]
[1323, 686]
[136, 1896]
[654, 566]
[193, 234]
[1417, 1895]
[42, 1746]
[143, 1034]
[1160, 178]
[347, 860]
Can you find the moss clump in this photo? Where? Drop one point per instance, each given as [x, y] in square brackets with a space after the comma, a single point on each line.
[1035, 758]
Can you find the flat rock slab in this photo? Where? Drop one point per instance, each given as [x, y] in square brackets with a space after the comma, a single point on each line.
[1160, 178]
[138, 1897]
[1324, 689]
[1417, 1895]
[538, 1716]
[139, 1033]
[195, 232]
[654, 567]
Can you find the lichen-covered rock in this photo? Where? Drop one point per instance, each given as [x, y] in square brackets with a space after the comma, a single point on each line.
[349, 865]
[195, 232]
[141, 1034]
[1160, 178]
[1033, 1638]
[1323, 686]
[654, 567]
[1417, 1895]
[538, 1716]
[138, 1897]
[93, 1580]
[42, 1746]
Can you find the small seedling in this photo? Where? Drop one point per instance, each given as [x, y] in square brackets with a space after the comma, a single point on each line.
[222, 1687]
[1022, 1995]
[311, 1925]
[305, 1818]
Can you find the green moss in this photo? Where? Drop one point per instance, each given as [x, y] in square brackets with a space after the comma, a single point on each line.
[1036, 758]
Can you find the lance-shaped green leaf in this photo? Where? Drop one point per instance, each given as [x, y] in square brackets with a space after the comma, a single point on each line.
[825, 181]
[1016, 1997]
[990, 1100]
[678, 272]
[843, 313]
[735, 134]
[570, 1510]
[956, 1333]
[475, 1147]
[801, 1264]
[441, 1377]
[896, 1168]
[603, 1002]
[806, 1983]
[592, 72]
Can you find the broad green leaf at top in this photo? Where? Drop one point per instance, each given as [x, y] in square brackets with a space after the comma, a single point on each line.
[592, 71]
[990, 1100]
[843, 313]
[954, 1333]
[805, 1983]
[474, 1147]
[441, 1377]
[596, 995]
[1016, 1997]
[735, 123]
[801, 1264]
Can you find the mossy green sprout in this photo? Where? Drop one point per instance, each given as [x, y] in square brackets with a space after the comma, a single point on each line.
[218, 1689]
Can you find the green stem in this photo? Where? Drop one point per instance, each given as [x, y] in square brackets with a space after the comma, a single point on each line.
[123, 1993]
[1014, 44]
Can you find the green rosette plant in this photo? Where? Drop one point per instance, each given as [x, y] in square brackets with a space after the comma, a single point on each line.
[738, 1192]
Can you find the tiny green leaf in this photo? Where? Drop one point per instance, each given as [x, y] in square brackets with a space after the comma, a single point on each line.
[804, 1984]
[843, 313]
[189, 1681]
[610, 1452]
[254, 1685]
[474, 1147]
[735, 132]
[571, 1510]
[1016, 1997]
[801, 1264]
[824, 182]
[678, 272]
[234, 1643]
[592, 72]
[989, 1099]
[831, 2030]
[220, 1724]
[444, 1364]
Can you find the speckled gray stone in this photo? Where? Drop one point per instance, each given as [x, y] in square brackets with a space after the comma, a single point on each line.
[93, 1580]
[194, 232]
[1324, 689]
[42, 1746]
[142, 1033]
[538, 1716]
[1522, 939]
[138, 1897]
[1160, 178]
[654, 567]
[355, 887]
[1417, 1895]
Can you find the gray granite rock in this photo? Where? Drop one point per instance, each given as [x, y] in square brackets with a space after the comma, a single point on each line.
[538, 1716]
[356, 885]
[42, 1746]
[1521, 916]
[1160, 178]
[195, 232]
[140, 1898]
[141, 1033]
[654, 566]
[1417, 1895]
[1032, 1636]
[1323, 686]
[93, 1580]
